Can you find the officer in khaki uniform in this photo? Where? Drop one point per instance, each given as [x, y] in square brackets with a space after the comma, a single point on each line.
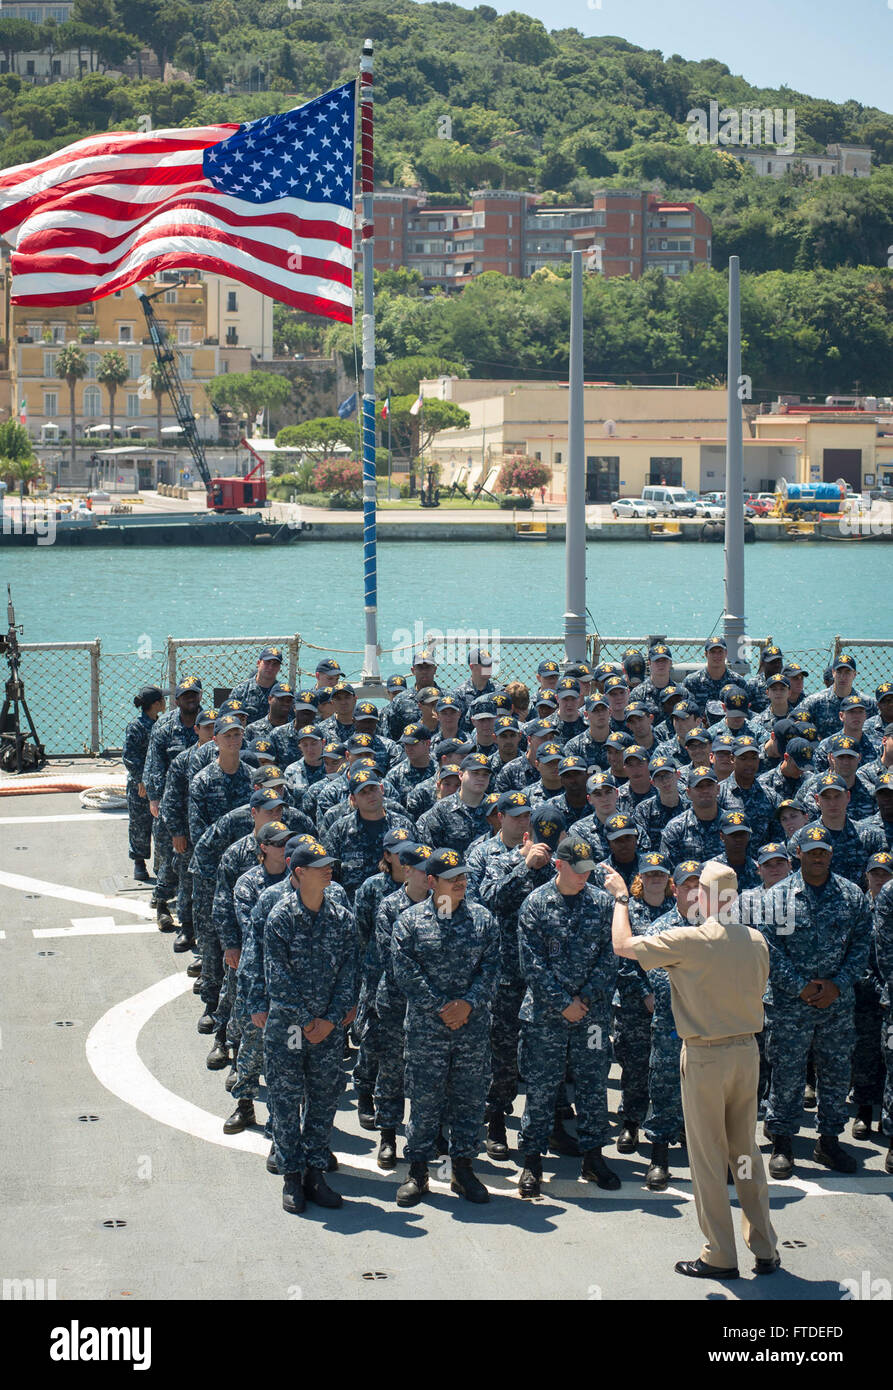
[718, 972]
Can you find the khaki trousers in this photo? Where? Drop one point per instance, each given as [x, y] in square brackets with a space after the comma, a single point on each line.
[719, 1102]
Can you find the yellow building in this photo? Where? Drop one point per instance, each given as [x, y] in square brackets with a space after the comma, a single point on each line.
[855, 444]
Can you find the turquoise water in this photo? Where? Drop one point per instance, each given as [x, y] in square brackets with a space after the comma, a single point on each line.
[802, 594]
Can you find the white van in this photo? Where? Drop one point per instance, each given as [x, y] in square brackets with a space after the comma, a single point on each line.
[670, 501]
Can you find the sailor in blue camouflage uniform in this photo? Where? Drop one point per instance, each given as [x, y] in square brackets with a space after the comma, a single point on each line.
[601, 793]
[357, 839]
[707, 683]
[660, 674]
[521, 773]
[310, 965]
[571, 802]
[824, 707]
[445, 959]
[625, 842]
[423, 796]
[664, 1124]
[480, 679]
[416, 767]
[271, 840]
[737, 838]
[871, 773]
[171, 734]
[403, 709]
[383, 1028]
[733, 720]
[883, 699]
[881, 822]
[308, 767]
[817, 927]
[685, 717]
[569, 722]
[591, 745]
[637, 788]
[649, 890]
[511, 874]
[150, 703]
[844, 759]
[549, 757]
[654, 813]
[853, 710]
[778, 692]
[224, 784]
[791, 775]
[852, 847]
[694, 833]
[279, 713]
[883, 948]
[564, 929]
[868, 1057]
[458, 820]
[369, 896]
[744, 791]
[254, 693]
[512, 820]
[339, 727]
[286, 739]
[175, 812]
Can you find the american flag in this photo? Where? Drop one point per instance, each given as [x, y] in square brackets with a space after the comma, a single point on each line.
[269, 203]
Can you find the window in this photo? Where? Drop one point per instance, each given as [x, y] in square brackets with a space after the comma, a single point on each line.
[35, 331]
[50, 403]
[57, 68]
[768, 166]
[170, 296]
[184, 334]
[49, 364]
[133, 405]
[511, 220]
[602, 478]
[665, 470]
[92, 365]
[134, 363]
[477, 219]
[186, 366]
[125, 333]
[92, 402]
[558, 456]
[510, 243]
[232, 303]
[29, 67]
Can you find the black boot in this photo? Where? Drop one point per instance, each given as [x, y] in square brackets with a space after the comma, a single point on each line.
[331, 1163]
[164, 918]
[415, 1187]
[888, 1161]
[658, 1175]
[271, 1161]
[317, 1190]
[532, 1176]
[466, 1183]
[293, 1194]
[365, 1110]
[193, 969]
[781, 1164]
[561, 1142]
[629, 1138]
[140, 872]
[829, 1153]
[862, 1122]
[218, 1057]
[184, 940]
[196, 986]
[206, 1023]
[497, 1140]
[231, 1080]
[387, 1150]
[595, 1169]
[241, 1118]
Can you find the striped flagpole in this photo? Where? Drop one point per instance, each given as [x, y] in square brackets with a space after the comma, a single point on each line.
[370, 576]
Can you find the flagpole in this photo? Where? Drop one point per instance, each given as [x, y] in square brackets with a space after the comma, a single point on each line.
[390, 455]
[371, 673]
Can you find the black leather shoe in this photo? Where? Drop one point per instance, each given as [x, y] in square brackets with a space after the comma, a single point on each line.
[317, 1190]
[781, 1164]
[829, 1153]
[231, 1080]
[465, 1181]
[696, 1269]
[767, 1266]
[140, 872]
[271, 1160]
[218, 1057]
[497, 1140]
[560, 1142]
[862, 1122]
[387, 1150]
[628, 1141]
[415, 1186]
[197, 986]
[532, 1176]
[206, 1023]
[184, 940]
[293, 1194]
[241, 1118]
[595, 1169]
[365, 1110]
[658, 1176]
[194, 969]
[809, 1100]
[164, 918]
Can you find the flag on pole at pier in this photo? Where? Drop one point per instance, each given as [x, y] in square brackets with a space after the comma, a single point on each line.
[348, 406]
[268, 203]
[386, 408]
[416, 405]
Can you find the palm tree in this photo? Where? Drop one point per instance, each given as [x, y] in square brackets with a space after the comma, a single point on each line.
[71, 366]
[112, 372]
[159, 391]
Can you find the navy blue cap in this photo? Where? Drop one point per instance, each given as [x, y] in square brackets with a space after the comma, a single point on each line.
[810, 837]
[282, 691]
[882, 860]
[659, 651]
[662, 764]
[619, 825]
[853, 702]
[446, 863]
[448, 770]
[360, 777]
[333, 749]
[654, 863]
[567, 686]
[684, 708]
[546, 697]
[415, 733]
[548, 668]
[205, 716]
[271, 654]
[395, 683]
[619, 740]
[275, 832]
[774, 849]
[227, 721]
[635, 751]
[507, 724]
[476, 762]
[513, 804]
[327, 666]
[594, 700]
[799, 751]
[413, 854]
[310, 731]
[688, 868]
[779, 678]
[237, 707]
[549, 753]
[744, 743]
[844, 660]
[830, 782]
[716, 642]
[265, 796]
[447, 702]
[365, 710]
[723, 743]
[396, 837]
[480, 656]
[733, 697]
[571, 762]
[342, 687]
[599, 780]
[578, 853]
[541, 728]
[361, 743]
[454, 746]
[701, 774]
[730, 822]
[267, 775]
[482, 708]
[428, 695]
[547, 824]
[697, 735]
[190, 686]
[307, 853]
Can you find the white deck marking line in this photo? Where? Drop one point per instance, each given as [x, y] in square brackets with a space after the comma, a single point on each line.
[74, 895]
[112, 1053]
[96, 926]
[49, 820]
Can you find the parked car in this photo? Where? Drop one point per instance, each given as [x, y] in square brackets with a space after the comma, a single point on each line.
[632, 507]
[713, 505]
[670, 501]
[760, 504]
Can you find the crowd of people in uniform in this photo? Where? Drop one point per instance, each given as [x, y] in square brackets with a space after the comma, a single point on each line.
[434, 880]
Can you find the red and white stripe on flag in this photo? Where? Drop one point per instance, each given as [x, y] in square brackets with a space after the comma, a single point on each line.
[268, 203]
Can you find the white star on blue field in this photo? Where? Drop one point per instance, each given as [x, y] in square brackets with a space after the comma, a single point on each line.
[305, 153]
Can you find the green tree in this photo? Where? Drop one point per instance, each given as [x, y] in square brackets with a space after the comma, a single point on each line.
[251, 392]
[17, 36]
[71, 367]
[159, 391]
[17, 462]
[320, 437]
[112, 373]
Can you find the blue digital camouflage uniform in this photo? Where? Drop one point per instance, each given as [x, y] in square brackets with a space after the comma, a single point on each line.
[334, 731]
[249, 888]
[565, 944]
[255, 698]
[435, 960]
[538, 791]
[757, 805]
[702, 687]
[824, 710]
[477, 858]
[852, 848]
[585, 746]
[421, 799]
[168, 738]
[686, 837]
[334, 814]
[133, 756]
[812, 934]
[721, 726]
[402, 710]
[883, 949]
[632, 1017]
[628, 801]
[874, 825]
[672, 748]
[865, 746]
[592, 829]
[386, 1022]
[401, 779]
[748, 874]
[451, 824]
[175, 812]
[566, 729]
[357, 843]
[506, 884]
[212, 792]
[468, 691]
[664, 1124]
[652, 817]
[780, 788]
[370, 895]
[310, 965]
[262, 729]
[515, 776]
[571, 814]
[329, 789]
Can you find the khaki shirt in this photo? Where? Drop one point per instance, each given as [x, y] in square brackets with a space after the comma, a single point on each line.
[717, 976]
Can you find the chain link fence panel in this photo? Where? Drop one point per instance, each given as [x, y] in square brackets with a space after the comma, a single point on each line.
[61, 692]
[874, 661]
